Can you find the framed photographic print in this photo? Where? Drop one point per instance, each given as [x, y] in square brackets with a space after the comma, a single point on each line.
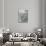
[22, 16]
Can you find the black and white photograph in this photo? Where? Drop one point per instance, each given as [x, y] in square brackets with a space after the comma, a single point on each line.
[22, 22]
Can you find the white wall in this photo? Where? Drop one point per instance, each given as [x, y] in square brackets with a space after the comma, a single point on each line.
[1, 15]
[34, 16]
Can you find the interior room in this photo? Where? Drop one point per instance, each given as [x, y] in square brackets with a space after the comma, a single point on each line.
[22, 22]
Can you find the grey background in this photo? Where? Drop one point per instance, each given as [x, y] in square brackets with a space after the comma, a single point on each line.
[35, 17]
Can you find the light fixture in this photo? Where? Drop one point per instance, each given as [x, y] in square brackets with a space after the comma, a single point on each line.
[39, 29]
[8, 29]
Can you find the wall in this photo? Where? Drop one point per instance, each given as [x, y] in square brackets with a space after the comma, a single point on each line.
[44, 18]
[1, 15]
[34, 16]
